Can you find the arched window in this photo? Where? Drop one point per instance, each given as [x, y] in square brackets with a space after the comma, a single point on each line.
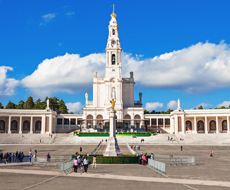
[113, 59]
[38, 126]
[14, 125]
[188, 125]
[26, 125]
[224, 125]
[2, 126]
[113, 32]
[212, 125]
[200, 125]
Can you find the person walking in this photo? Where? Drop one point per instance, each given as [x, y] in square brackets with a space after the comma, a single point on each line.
[13, 157]
[152, 156]
[94, 162]
[85, 162]
[31, 156]
[139, 159]
[181, 148]
[75, 165]
[80, 149]
[211, 153]
[144, 160]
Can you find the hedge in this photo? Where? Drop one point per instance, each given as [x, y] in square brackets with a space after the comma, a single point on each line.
[106, 134]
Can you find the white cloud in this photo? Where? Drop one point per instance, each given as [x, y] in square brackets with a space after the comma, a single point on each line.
[153, 106]
[197, 69]
[75, 107]
[225, 104]
[47, 18]
[69, 73]
[204, 105]
[172, 104]
[7, 85]
[70, 13]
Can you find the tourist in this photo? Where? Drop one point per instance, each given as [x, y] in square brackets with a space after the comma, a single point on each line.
[13, 157]
[80, 149]
[34, 158]
[85, 162]
[1, 156]
[31, 156]
[168, 138]
[10, 155]
[211, 153]
[152, 156]
[139, 159]
[75, 165]
[134, 147]
[35, 152]
[181, 148]
[48, 157]
[144, 159]
[5, 158]
[94, 162]
[106, 140]
[30, 152]
[139, 147]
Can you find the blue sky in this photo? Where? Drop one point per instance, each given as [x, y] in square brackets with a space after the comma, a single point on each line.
[182, 47]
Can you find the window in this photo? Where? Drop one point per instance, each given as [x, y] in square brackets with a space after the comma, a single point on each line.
[113, 59]
[73, 121]
[59, 121]
[113, 32]
[66, 121]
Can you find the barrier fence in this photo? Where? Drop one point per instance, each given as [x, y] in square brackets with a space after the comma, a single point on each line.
[159, 166]
[96, 149]
[53, 161]
[175, 159]
[66, 167]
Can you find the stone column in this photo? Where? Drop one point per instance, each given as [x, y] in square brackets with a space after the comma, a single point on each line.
[112, 124]
[157, 122]
[69, 122]
[43, 124]
[31, 124]
[62, 123]
[20, 125]
[172, 124]
[163, 123]
[206, 125]
[195, 125]
[176, 124]
[9, 125]
[227, 124]
[132, 120]
[150, 122]
[183, 124]
[50, 124]
[217, 125]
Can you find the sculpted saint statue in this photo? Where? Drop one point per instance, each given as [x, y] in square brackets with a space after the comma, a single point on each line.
[112, 104]
[48, 103]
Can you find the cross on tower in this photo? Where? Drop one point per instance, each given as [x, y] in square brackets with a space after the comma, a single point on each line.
[113, 7]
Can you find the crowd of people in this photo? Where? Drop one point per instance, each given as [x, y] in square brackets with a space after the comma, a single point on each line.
[135, 147]
[82, 162]
[142, 158]
[12, 157]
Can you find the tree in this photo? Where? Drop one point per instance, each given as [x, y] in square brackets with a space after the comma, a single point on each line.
[10, 105]
[146, 112]
[38, 104]
[71, 112]
[29, 104]
[20, 105]
[54, 103]
[62, 107]
[1, 106]
[200, 108]
[167, 112]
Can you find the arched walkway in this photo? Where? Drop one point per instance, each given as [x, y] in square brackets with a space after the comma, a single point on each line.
[14, 126]
[212, 125]
[200, 126]
[224, 125]
[38, 126]
[2, 126]
[188, 125]
[137, 122]
[26, 126]
[89, 123]
[127, 122]
[100, 121]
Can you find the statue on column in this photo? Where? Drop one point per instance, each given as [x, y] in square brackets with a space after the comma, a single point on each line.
[48, 104]
[112, 104]
[86, 98]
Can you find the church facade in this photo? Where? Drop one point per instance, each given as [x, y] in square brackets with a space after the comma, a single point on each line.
[129, 113]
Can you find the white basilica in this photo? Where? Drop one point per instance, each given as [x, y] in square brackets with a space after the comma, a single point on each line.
[129, 113]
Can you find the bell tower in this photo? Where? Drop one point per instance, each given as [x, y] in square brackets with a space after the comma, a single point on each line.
[113, 50]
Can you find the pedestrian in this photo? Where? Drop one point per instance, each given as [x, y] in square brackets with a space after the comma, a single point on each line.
[1, 156]
[211, 153]
[35, 152]
[80, 149]
[31, 156]
[75, 165]
[40, 140]
[10, 155]
[181, 148]
[94, 162]
[139, 159]
[85, 162]
[144, 159]
[13, 157]
[48, 157]
[106, 140]
[30, 152]
[152, 156]
[168, 138]
[5, 159]
[134, 147]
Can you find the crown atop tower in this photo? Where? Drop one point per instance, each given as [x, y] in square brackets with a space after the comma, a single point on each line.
[113, 15]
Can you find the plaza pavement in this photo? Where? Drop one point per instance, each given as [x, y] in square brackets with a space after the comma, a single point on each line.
[206, 171]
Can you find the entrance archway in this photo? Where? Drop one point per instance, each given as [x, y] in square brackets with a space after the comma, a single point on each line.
[212, 125]
[38, 126]
[188, 125]
[89, 121]
[200, 126]
[224, 125]
[137, 122]
[26, 126]
[100, 121]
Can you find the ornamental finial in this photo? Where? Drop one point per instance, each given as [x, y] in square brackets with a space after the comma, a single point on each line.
[113, 15]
